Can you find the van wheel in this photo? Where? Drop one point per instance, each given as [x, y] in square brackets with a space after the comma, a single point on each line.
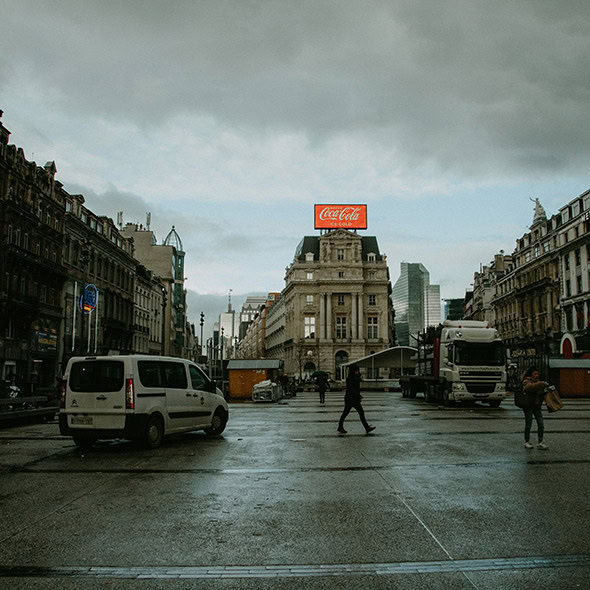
[495, 403]
[154, 432]
[83, 442]
[218, 423]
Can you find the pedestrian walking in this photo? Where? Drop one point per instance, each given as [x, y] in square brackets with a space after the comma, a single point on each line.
[322, 383]
[352, 399]
[535, 391]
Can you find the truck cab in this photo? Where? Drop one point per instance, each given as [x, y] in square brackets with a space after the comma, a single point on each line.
[472, 362]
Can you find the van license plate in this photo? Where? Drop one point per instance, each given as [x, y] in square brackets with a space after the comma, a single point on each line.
[82, 420]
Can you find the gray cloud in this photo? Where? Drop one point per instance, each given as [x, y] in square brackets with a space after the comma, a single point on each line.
[466, 87]
[135, 209]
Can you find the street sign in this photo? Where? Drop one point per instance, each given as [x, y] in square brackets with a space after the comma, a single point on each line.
[88, 299]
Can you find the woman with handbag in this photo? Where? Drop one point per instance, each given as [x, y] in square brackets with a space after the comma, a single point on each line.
[534, 388]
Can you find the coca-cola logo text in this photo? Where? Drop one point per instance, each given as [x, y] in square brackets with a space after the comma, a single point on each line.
[349, 216]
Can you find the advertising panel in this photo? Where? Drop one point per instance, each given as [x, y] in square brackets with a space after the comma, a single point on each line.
[344, 216]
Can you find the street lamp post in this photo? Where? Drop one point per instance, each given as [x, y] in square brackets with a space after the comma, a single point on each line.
[201, 321]
[221, 357]
[163, 347]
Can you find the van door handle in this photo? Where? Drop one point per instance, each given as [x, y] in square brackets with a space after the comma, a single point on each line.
[101, 397]
[188, 395]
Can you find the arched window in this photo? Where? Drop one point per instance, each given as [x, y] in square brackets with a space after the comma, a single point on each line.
[308, 369]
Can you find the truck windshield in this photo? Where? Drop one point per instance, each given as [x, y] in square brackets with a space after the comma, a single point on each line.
[479, 353]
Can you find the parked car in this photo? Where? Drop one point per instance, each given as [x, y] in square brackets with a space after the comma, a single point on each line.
[267, 391]
[138, 397]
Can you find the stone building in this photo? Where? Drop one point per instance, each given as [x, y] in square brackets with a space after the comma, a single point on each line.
[253, 344]
[97, 258]
[274, 342]
[31, 269]
[337, 302]
[485, 282]
[573, 236]
[166, 261]
[526, 296]
[149, 300]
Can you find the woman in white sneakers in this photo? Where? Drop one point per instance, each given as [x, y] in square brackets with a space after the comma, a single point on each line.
[535, 390]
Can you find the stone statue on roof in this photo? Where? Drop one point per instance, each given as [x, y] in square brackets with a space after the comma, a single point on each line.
[540, 215]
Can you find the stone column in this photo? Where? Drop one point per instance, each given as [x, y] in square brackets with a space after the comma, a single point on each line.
[329, 333]
[360, 317]
[354, 316]
[322, 316]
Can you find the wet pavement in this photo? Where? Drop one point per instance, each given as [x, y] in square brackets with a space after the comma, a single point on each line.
[432, 498]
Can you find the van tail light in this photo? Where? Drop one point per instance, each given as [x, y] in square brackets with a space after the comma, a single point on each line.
[62, 393]
[129, 394]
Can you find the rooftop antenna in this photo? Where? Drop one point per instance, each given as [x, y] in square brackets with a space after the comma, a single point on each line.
[229, 301]
[148, 220]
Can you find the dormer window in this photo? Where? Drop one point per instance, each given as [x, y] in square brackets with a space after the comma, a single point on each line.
[309, 257]
[340, 254]
[371, 257]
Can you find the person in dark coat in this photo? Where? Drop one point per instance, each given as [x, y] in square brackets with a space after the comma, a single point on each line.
[535, 390]
[322, 382]
[352, 399]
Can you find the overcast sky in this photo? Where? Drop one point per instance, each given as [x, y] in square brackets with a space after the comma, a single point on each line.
[231, 119]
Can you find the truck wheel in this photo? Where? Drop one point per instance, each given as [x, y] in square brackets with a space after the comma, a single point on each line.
[218, 423]
[153, 433]
[495, 403]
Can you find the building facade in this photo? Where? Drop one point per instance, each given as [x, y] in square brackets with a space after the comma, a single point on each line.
[526, 296]
[96, 257]
[481, 307]
[416, 302]
[337, 303]
[32, 274]
[573, 237]
[166, 261]
[149, 300]
[253, 344]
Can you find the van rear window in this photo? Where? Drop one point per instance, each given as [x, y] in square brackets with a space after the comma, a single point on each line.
[95, 376]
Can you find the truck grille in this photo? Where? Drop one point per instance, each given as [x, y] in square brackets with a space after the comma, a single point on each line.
[488, 374]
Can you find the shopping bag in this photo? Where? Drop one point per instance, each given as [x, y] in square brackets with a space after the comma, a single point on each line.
[552, 399]
[522, 400]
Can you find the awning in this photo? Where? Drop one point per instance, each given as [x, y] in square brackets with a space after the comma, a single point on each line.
[398, 357]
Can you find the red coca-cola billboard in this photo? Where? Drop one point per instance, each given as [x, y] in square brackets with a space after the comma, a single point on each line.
[345, 216]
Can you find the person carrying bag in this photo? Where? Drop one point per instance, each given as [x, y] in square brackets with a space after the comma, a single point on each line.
[552, 399]
[534, 389]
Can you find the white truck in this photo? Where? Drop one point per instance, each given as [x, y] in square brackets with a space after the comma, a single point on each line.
[461, 360]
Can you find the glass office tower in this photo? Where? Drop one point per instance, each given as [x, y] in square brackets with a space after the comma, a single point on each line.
[416, 302]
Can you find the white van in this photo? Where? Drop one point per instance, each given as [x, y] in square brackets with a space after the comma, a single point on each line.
[137, 397]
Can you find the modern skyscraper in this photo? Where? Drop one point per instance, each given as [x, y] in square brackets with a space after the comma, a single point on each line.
[415, 301]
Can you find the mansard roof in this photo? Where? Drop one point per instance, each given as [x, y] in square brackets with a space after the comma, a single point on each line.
[311, 244]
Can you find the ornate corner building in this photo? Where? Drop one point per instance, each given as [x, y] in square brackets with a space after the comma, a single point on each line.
[542, 290]
[337, 304]
[32, 274]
